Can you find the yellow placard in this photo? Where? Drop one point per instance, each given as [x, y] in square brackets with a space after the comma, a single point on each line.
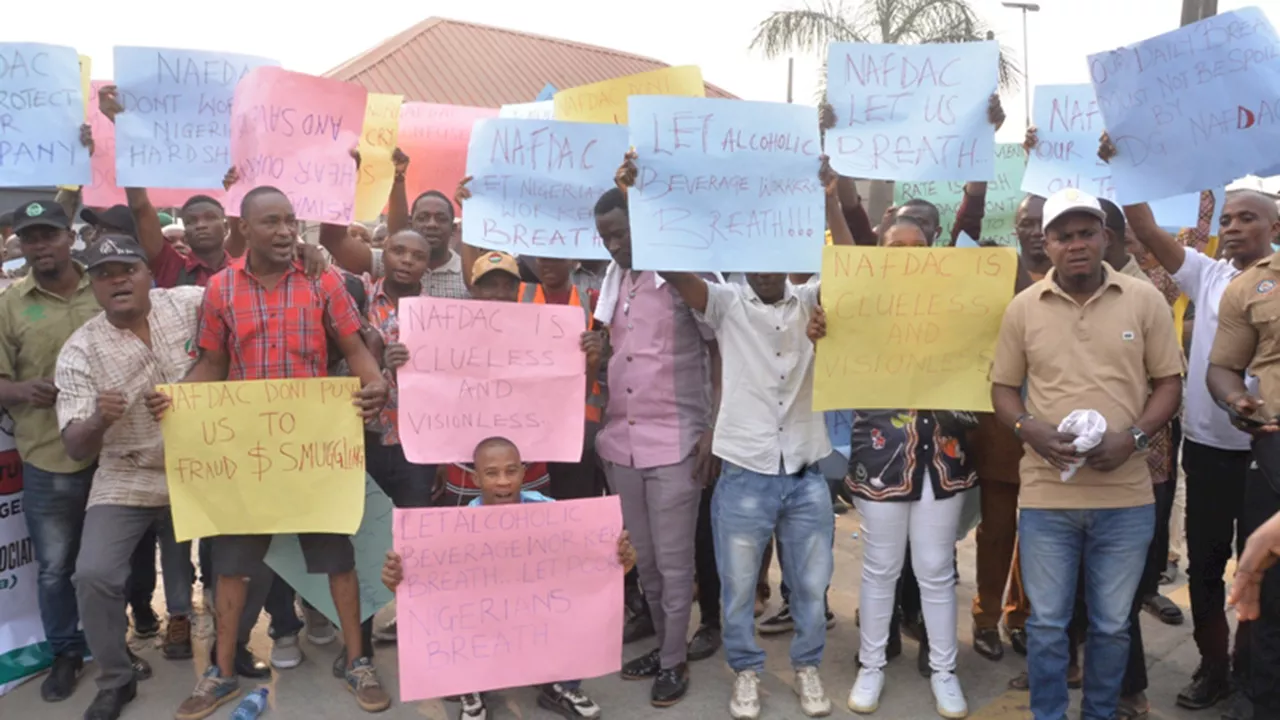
[264, 457]
[910, 328]
[606, 102]
[377, 141]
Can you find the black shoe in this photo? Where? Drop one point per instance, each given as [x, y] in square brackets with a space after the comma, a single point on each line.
[894, 647]
[141, 668]
[781, 622]
[107, 704]
[1018, 640]
[645, 666]
[922, 657]
[705, 643]
[145, 623]
[339, 666]
[670, 686]
[1207, 687]
[987, 643]
[1239, 708]
[62, 677]
[246, 665]
[638, 627]
[831, 620]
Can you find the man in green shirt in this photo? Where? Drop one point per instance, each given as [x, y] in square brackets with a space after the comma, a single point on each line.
[37, 315]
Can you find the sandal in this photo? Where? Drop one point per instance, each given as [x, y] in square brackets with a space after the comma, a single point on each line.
[1163, 609]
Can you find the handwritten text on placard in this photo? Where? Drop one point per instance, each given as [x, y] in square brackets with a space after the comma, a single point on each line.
[508, 596]
[1003, 196]
[1195, 107]
[41, 110]
[176, 128]
[606, 101]
[478, 369]
[910, 327]
[912, 112]
[535, 184]
[1068, 125]
[295, 132]
[725, 185]
[435, 138]
[264, 457]
[377, 141]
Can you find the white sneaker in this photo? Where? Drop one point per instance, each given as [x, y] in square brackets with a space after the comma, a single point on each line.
[864, 698]
[285, 652]
[949, 695]
[319, 630]
[385, 633]
[813, 699]
[473, 707]
[745, 703]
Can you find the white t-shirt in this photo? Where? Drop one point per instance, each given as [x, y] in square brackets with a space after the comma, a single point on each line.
[1203, 279]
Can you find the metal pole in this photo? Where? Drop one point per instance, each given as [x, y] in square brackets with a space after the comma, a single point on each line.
[1194, 11]
[791, 73]
[1026, 68]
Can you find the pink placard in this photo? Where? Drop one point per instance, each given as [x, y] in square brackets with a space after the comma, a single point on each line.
[479, 369]
[435, 138]
[295, 132]
[103, 191]
[508, 596]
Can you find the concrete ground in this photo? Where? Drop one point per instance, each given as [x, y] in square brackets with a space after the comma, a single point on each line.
[310, 691]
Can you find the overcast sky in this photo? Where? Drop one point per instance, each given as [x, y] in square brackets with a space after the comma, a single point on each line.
[714, 34]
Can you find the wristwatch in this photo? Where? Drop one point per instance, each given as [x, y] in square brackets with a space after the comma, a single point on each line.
[1140, 439]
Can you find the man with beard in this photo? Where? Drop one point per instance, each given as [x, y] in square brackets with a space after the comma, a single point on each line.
[104, 373]
[37, 315]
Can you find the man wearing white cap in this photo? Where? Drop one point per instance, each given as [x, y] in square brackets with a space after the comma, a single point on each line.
[1086, 337]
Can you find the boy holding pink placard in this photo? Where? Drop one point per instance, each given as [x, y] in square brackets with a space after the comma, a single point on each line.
[500, 472]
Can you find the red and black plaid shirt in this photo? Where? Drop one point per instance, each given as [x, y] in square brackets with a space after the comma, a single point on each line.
[277, 333]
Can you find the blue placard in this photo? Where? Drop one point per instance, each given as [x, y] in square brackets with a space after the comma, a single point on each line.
[371, 543]
[175, 131]
[1193, 107]
[535, 183]
[1068, 127]
[725, 185]
[912, 112]
[548, 91]
[41, 111]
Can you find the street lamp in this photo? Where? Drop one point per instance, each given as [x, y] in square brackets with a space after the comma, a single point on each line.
[1026, 61]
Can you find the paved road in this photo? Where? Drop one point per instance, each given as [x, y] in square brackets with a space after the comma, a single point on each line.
[310, 692]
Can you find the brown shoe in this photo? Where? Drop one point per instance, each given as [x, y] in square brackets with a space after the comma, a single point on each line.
[362, 681]
[177, 638]
[211, 693]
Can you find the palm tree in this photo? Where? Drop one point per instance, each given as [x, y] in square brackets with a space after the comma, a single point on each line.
[898, 22]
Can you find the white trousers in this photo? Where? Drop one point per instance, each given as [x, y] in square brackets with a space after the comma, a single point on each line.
[930, 525]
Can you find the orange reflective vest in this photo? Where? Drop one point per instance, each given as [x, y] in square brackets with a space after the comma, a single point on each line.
[533, 293]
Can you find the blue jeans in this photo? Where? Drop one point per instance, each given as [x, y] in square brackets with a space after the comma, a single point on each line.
[746, 510]
[1113, 547]
[55, 505]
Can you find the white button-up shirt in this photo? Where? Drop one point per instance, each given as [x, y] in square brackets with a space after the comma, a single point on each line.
[766, 421]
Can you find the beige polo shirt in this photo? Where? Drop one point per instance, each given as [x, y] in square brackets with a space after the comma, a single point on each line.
[1249, 328]
[1099, 356]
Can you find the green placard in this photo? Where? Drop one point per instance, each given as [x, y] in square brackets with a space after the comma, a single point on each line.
[1003, 196]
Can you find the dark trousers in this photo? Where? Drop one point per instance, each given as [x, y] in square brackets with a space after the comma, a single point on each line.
[704, 558]
[1215, 503]
[141, 585]
[1262, 500]
[1135, 674]
[574, 481]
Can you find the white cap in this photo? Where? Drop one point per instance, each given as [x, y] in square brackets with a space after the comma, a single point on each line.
[1068, 201]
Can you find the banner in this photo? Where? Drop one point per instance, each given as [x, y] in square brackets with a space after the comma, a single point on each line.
[371, 543]
[606, 101]
[377, 142]
[40, 116]
[535, 184]
[23, 650]
[726, 186]
[912, 112]
[435, 139]
[175, 130]
[1004, 194]
[508, 596]
[910, 327]
[264, 457]
[1191, 108]
[479, 369]
[295, 132]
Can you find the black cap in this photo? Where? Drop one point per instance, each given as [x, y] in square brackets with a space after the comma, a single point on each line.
[116, 216]
[46, 213]
[114, 248]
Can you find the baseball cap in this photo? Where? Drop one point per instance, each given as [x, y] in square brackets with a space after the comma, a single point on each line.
[1068, 201]
[114, 248]
[491, 261]
[116, 216]
[41, 213]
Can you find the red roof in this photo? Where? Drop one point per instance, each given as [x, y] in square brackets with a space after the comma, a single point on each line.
[461, 63]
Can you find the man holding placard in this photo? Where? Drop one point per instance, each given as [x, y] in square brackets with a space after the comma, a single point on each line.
[264, 319]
